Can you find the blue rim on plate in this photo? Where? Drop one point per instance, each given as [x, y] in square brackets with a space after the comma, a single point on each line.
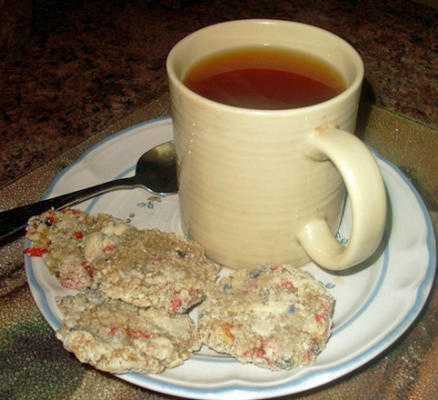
[307, 377]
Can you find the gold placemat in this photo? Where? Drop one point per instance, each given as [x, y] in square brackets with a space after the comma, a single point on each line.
[34, 364]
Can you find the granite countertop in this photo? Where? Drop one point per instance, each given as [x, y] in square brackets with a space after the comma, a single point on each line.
[81, 66]
[73, 72]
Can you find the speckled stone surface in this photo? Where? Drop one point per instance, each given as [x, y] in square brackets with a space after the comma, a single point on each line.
[82, 65]
[84, 70]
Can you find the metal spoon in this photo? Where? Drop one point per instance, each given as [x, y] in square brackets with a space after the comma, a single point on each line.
[155, 171]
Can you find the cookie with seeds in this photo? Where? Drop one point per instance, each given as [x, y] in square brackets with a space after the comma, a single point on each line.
[119, 338]
[276, 317]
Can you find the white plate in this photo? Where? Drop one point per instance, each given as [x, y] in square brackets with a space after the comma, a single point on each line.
[375, 303]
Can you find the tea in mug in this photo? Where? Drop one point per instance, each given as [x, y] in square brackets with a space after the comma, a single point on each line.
[265, 77]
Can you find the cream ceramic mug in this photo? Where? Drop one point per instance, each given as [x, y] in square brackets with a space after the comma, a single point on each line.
[268, 186]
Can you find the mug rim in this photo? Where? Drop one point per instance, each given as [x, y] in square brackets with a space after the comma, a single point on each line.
[353, 87]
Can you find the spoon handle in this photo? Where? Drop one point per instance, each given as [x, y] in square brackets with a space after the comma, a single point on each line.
[13, 220]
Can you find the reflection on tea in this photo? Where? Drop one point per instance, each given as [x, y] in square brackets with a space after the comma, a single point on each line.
[265, 78]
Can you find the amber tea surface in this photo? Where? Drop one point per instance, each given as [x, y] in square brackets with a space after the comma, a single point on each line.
[265, 78]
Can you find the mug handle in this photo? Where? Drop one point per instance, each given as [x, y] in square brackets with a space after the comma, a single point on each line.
[366, 191]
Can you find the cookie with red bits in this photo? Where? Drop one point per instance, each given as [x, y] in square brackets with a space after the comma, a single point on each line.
[143, 267]
[57, 237]
[119, 338]
[150, 268]
[276, 317]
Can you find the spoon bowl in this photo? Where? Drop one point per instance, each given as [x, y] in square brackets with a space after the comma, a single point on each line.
[155, 171]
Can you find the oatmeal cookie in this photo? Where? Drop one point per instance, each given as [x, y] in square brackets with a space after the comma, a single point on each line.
[119, 338]
[151, 268]
[276, 317]
[57, 237]
[142, 267]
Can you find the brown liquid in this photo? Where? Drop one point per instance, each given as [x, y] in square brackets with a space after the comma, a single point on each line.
[264, 78]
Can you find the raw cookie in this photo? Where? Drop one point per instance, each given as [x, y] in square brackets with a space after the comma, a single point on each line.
[276, 317]
[119, 338]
